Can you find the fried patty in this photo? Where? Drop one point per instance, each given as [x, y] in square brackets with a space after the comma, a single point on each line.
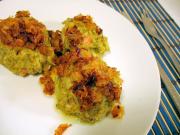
[84, 86]
[82, 32]
[24, 44]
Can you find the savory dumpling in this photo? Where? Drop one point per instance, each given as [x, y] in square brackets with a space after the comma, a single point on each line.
[24, 45]
[82, 32]
[84, 86]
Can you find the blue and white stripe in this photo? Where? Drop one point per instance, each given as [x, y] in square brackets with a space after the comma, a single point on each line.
[167, 121]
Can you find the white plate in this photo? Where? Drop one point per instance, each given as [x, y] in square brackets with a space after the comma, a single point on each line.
[25, 110]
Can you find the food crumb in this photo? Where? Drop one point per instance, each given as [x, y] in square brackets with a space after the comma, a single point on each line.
[117, 111]
[48, 85]
[61, 128]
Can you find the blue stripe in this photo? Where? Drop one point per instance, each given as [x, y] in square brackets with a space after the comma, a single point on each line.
[155, 53]
[170, 100]
[167, 56]
[162, 26]
[114, 6]
[157, 56]
[177, 88]
[138, 18]
[137, 8]
[171, 23]
[150, 44]
[176, 133]
[146, 37]
[156, 129]
[171, 39]
[169, 108]
[164, 13]
[120, 7]
[166, 22]
[129, 13]
[169, 26]
[150, 132]
[162, 124]
[161, 59]
[168, 121]
[162, 23]
[175, 35]
[175, 28]
[163, 66]
[158, 18]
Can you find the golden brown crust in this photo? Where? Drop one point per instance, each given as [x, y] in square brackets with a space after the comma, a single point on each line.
[56, 40]
[74, 36]
[22, 14]
[45, 50]
[117, 111]
[92, 84]
[48, 84]
[23, 31]
[61, 128]
[89, 23]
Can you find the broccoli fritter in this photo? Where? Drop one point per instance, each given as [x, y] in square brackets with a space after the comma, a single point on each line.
[24, 44]
[85, 86]
[82, 32]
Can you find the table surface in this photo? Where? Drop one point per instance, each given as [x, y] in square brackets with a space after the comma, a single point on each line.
[166, 18]
[172, 7]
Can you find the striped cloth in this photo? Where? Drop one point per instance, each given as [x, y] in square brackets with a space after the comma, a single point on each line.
[167, 121]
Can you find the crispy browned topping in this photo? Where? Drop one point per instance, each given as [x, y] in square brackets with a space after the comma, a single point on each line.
[44, 50]
[71, 58]
[84, 19]
[89, 23]
[48, 84]
[22, 31]
[110, 91]
[74, 36]
[99, 30]
[61, 128]
[83, 90]
[22, 14]
[117, 111]
[56, 41]
[92, 85]
[88, 97]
